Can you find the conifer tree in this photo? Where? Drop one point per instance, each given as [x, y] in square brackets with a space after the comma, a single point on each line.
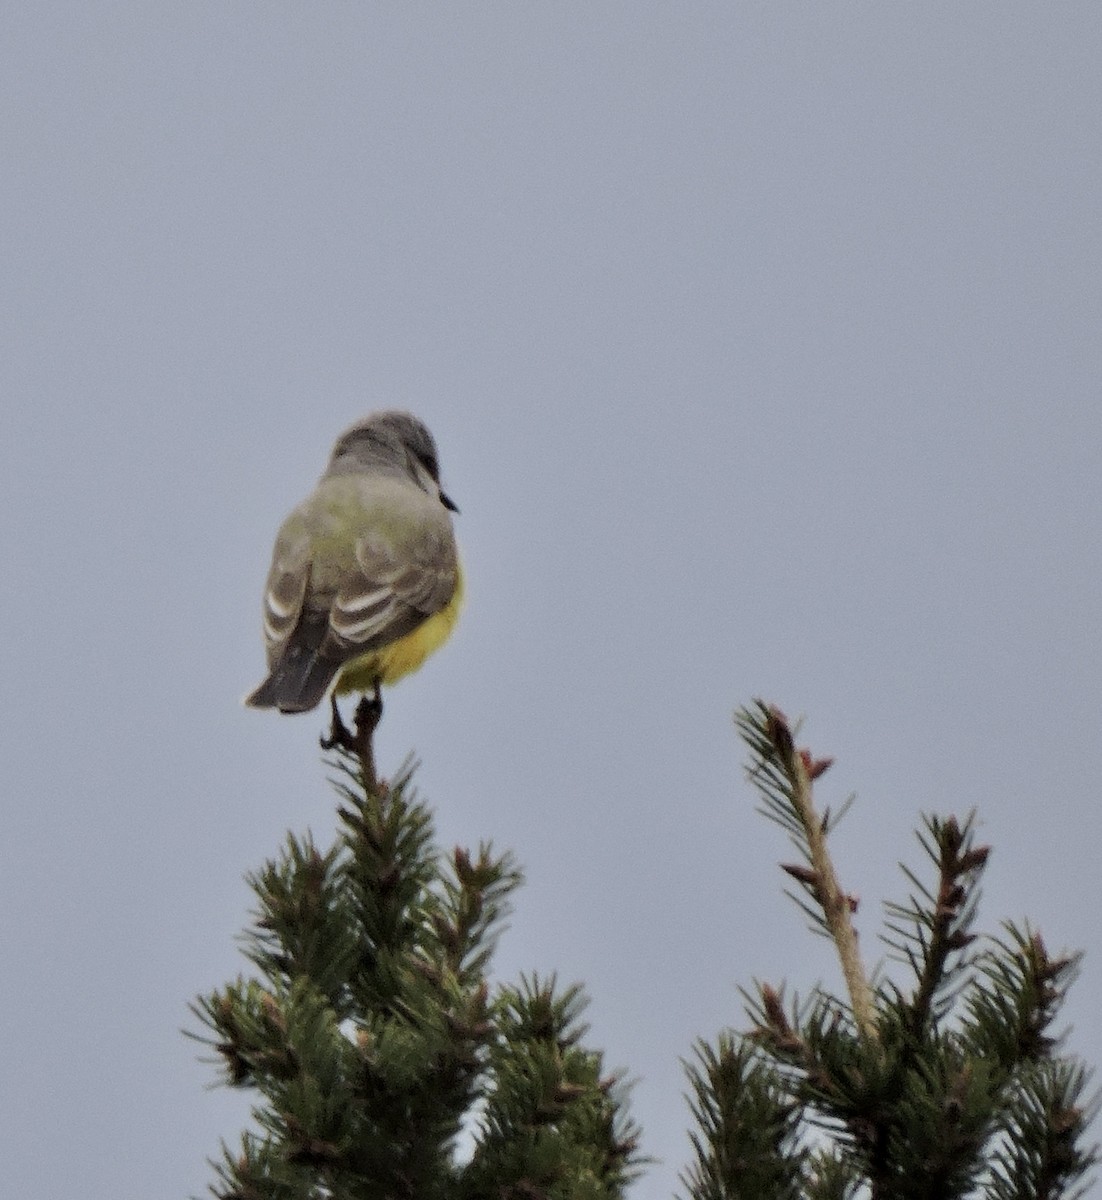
[384, 1064]
[948, 1085]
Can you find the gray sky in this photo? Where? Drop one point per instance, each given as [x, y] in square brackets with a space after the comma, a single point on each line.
[762, 344]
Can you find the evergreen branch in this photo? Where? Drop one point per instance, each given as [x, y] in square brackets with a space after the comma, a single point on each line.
[843, 1080]
[476, 902]
[389, 869]
[248, 1033]
[931, 1143]
[797, 1044]
[1018, 996]
[933, 932]
[748, 1139]
[910, 1128]
[1041, 1157]
[783, 776]
[259, 1172]
[553, 1126]
[300, 926]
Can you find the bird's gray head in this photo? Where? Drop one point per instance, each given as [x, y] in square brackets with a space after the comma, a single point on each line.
[391, 440]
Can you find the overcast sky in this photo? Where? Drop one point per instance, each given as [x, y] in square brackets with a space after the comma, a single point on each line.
[762, 344]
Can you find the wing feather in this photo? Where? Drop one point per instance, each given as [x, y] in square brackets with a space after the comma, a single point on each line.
[392, 593]
[284, 599]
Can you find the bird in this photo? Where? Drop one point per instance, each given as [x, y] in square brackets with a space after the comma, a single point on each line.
[365, 581]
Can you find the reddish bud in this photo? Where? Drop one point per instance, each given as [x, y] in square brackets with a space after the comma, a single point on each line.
[975, 858]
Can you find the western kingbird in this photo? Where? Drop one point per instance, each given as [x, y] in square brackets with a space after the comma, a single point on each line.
[365, 580]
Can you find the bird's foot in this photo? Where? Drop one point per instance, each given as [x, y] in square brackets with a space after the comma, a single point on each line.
[360, 742]
[339, 733]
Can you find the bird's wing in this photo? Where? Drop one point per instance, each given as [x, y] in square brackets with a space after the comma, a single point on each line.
[395, 588]
[285, 594]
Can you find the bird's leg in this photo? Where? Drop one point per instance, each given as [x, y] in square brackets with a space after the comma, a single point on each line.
[339, 733]
[369, 713]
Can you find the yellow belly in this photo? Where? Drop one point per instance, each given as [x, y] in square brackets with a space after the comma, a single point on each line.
[390, 663]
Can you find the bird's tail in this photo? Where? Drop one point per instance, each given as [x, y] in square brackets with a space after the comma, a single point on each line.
[302, 675]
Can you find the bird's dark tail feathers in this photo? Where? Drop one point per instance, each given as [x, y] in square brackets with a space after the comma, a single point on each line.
[302, 675]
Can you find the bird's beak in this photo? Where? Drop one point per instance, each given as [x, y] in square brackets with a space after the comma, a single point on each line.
[448, 503]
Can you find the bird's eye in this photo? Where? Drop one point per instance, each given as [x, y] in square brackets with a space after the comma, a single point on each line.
[428, 461]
